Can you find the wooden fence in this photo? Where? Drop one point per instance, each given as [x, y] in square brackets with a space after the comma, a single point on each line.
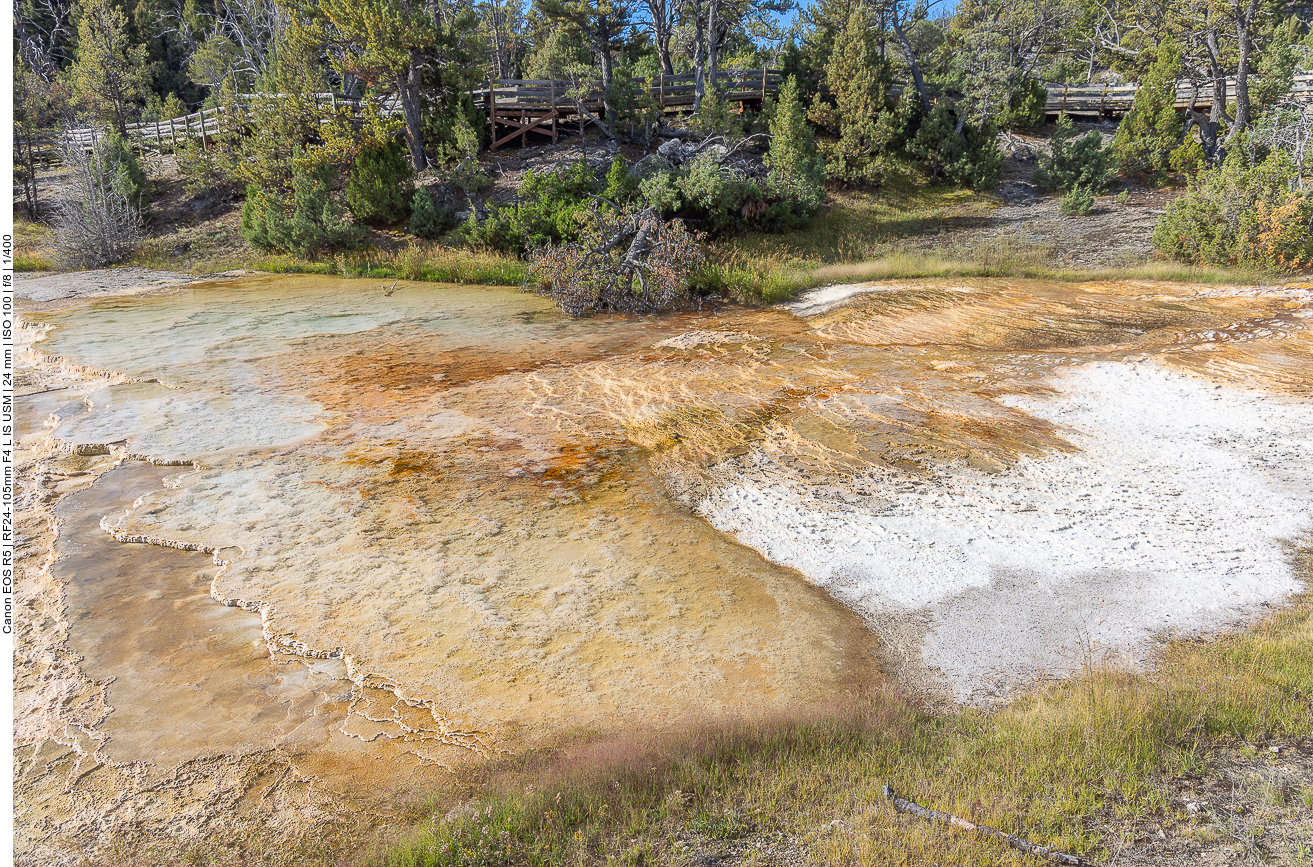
[203, 124]
[542, 106]
[517, 107]
[1112, 100]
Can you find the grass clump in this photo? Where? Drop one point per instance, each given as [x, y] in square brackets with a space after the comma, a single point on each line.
[1041, 767]
[32, 242]
[417, 261]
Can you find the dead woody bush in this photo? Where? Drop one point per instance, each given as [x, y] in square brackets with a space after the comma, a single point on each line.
[96, 222]
[628, 260]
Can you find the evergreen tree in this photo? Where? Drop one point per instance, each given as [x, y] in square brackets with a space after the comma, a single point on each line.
[383, 41]
[316, 219]
[426, 219]
[858, 81]
[381, 184]
[1075, 162]
[621, 185]
[1148, 134]
[109, 75]
[115, 158]
[937, 142]
[797, 173]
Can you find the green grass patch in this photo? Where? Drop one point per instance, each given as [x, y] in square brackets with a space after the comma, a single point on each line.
[1039, 767]
[32, 242]
[417, 261]
[32, 262]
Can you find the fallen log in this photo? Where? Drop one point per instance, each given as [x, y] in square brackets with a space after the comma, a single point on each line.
[1048, 853]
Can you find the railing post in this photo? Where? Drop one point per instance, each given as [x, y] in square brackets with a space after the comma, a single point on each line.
[763, 85]
[555, 119]
[492, 115]
[662, 79]
[205, 139]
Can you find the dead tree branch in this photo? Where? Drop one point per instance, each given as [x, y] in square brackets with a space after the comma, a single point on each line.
[903, 805]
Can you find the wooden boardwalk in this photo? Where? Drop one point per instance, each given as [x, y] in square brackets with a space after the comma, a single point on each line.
[547, 107]
[516, 108]
[1114, 100]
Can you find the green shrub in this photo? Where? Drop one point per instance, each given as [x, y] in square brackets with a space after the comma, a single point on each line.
[970, 157]
[714, 117]
[1078, 201]
[427, 220]
[1189, 159]
[630, 105]
[858, 80]
[981, 165]
[1026, 107]
[937, 143]
[548, 211]
[797, 174]
[381, 184]
[661, 190]
[1075, 162]
[459, 162]
[115, 156]
[316, 219]
[1241, 214]
[717, 199]
[621, 185]
[1151, 130]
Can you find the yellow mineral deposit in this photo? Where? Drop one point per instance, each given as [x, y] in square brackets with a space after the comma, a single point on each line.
[445, 522]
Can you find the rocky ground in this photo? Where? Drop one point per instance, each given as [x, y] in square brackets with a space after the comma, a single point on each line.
[1254, 806]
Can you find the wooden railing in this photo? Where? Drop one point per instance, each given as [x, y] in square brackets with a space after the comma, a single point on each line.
[540, 106]
[203, 124]
[1116, 99]
[667, 90]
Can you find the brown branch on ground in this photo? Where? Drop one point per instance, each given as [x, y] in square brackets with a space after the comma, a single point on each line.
[1048, 853]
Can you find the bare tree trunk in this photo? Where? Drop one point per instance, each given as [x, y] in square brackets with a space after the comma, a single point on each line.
[663, 52]
[661, 27]
[608, 69]
[713, 40]
[1244, 25]
[910, 55]
[408, 93]
[699, 57]
[29, 187]
[1218, 75]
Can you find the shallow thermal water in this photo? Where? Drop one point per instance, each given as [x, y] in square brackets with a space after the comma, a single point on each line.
[453, 521]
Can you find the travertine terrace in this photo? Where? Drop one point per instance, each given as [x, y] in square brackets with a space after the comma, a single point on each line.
[298, 540]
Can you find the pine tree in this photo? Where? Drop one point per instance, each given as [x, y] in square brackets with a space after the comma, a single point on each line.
[796, 172]
[426, 220]
[384, 41]
[381, 184]
[115, 158]
[938, 142]
[857, 78]
[109, 75]
[1151, 130]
